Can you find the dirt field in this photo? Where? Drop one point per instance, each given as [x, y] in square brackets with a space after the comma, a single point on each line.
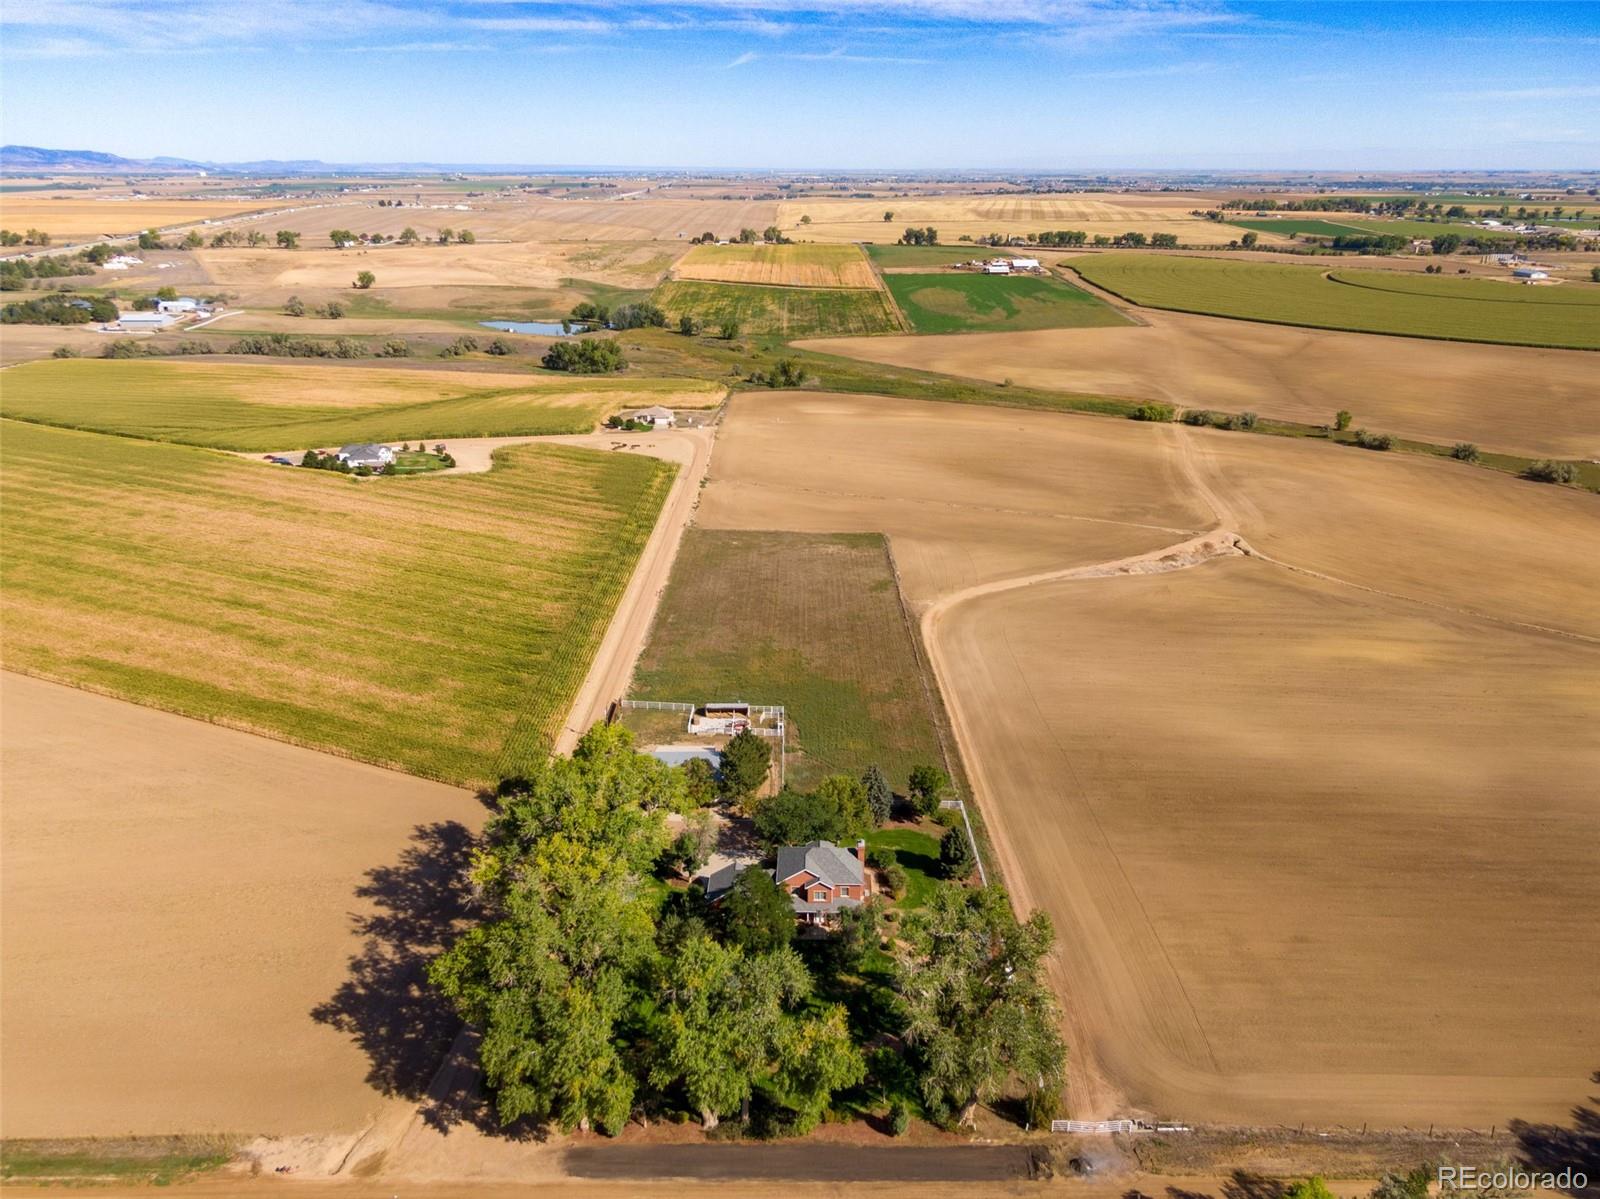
[966, 494]
[1519, 400]
[173, 915]
[977, 216]
[1261, 804]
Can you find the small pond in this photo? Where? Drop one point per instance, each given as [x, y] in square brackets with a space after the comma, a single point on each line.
[538, 328]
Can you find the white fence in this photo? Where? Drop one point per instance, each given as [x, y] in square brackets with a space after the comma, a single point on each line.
[961, 806]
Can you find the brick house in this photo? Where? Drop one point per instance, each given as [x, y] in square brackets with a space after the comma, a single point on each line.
[820, 878]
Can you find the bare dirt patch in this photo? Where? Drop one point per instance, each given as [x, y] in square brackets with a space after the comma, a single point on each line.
[173, 916]
[1508, 398]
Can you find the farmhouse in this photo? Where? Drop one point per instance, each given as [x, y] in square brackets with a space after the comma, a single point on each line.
[655, 416]
[366, 454]
[820, 879]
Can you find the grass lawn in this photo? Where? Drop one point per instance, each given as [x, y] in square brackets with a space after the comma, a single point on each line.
[795, 265]
[1361, 301]
[973, 303]
[146, 1161]
[788, 311]
[918, 852]
[809, 621]
[470, 305]
[415, 463]
[258, 406]
[441, 627]
[891, 256]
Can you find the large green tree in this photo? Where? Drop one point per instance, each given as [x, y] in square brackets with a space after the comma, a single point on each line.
[757, 915]
[979, 1014]
[730, 1022]
[745, 762]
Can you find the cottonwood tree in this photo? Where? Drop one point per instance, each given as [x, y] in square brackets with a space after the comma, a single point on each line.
[728, 1023]
[756, 915]
[364, 280]
[927, 786]
[978, 1012]
[547, 985]
[288, 239]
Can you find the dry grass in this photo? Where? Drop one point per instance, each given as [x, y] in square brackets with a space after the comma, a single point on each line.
[177, 901]
[781, 265]
[1515, 399]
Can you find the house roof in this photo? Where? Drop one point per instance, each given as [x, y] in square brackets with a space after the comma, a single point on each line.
[363, 450]
[655, 412]
[830, 863]
[719, 882]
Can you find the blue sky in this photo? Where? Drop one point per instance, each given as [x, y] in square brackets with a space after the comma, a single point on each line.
[1032, 84]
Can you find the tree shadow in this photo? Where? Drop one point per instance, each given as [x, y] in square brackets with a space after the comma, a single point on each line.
[1554, 1148]
[1242, 1184]
[386, 1005]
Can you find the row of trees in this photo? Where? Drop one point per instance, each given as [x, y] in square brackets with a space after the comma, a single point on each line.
[58, 309]
[596, 1001]
[914, 236]
[585, 356]
[29, 237]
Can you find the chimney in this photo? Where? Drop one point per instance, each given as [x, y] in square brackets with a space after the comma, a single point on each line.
[860, 851]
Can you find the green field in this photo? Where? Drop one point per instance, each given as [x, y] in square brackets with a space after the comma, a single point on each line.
[809, 621]
[440, 626]
[1290, 226]
[1410, 305]
[789, 311]
[263, 406]
[1429, 229]
[970, 303]
[891, 256]
[87, 1162]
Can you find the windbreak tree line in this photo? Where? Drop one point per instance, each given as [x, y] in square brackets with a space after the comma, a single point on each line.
[599, 994]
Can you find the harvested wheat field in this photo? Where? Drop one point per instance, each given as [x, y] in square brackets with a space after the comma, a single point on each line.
[74, 218]
[967, 494]
[1262, 797]
[977, 216]
[438, 625]
[1509, 398]
[779, 265]
[175, 917]
[266, 406]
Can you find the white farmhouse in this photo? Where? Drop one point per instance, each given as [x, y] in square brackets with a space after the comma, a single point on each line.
[656, 417]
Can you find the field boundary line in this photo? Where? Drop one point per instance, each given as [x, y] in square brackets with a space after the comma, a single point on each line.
[883, 286]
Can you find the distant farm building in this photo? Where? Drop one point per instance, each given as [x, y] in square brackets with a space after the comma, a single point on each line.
[375, 457]
[180, 305]
[143, 322]
[1530, 274]
[998, 267]
[1025, 264]
[716, 719]
[656, 417]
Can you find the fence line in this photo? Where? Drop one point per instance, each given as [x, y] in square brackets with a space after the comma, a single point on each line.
[656, 705]
[960, 805]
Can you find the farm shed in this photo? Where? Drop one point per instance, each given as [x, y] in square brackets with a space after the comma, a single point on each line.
[143, 322]
[181, 304]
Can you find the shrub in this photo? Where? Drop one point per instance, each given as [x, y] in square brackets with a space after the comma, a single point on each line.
[123, 349]
[895, 880]
[1341, 419]
[63, 352]
[1042, 1105]
[1373, 441]
[1153, 412]
[394, 348]
[294, 306]
[1196, 416]
[1246, 421]
[193, 346]
[333, 310]
[729, 330]
[500, 347]
[1464, 451]
[882, 858]
[460, 346]
[1547, 470]
[687, 325]
[899, 1118]
[638, 316]
[586, 357]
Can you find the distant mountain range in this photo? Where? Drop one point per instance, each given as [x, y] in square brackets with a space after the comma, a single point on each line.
[37, 160]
